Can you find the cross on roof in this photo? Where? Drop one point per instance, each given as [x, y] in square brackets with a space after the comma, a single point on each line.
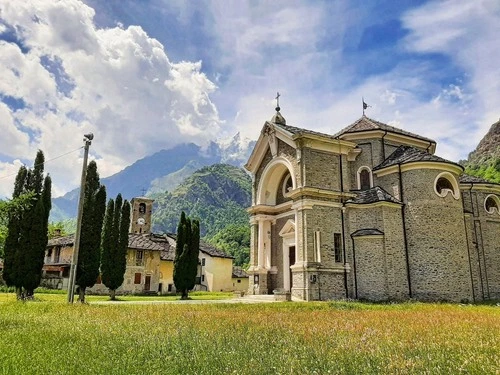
[277, 101]
[143, 191]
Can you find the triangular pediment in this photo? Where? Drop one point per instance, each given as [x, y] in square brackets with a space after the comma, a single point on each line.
[268, 140]
[288, 228]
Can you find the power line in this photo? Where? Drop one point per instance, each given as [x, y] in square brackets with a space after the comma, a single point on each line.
[45, 162]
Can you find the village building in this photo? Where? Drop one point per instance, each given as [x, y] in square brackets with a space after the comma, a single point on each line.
[150, 261]
[368, 213]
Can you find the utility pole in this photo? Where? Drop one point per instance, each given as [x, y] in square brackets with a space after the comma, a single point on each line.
[76, 246]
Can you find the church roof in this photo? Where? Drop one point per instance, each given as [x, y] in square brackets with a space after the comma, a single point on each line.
[468, 179]
[373, 195]
[409, 154]
[367, 232]
[300, 131]
[366, 124]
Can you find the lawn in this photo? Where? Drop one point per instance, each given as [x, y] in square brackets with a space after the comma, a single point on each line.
[52, 337]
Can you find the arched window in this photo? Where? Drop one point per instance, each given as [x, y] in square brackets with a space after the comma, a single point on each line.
[142, 208]
[365, 178]
[446, 183]
[492, 204]
[287, 184]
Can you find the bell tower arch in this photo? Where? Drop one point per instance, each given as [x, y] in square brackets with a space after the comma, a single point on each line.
[140, 220]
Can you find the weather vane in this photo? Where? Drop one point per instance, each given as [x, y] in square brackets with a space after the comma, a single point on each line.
[365, 106]
[278, 102]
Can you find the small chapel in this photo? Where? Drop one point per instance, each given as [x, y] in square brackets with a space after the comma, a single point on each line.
[368, 213]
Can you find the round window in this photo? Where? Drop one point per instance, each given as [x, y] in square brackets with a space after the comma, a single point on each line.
[491, 204]
[445, 183]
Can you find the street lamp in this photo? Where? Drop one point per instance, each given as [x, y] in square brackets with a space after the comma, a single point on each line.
[87, 139]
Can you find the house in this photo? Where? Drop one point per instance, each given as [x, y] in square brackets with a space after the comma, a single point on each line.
[368, 213]
[239, 279]
[150, 260]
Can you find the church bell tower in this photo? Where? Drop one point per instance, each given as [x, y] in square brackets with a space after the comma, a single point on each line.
[140, 221]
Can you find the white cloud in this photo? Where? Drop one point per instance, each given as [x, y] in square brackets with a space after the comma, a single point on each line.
[466, 31]
[117, 83]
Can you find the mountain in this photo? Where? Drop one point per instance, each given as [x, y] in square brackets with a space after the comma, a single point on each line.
[162, 171]
[218, 195]
[484, 161]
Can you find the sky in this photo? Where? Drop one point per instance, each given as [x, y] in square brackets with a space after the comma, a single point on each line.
[145, 75]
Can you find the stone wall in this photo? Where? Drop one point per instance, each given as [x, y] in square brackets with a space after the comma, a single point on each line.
[437, 248]
[322, 169]
[370, 268]
[483, 233]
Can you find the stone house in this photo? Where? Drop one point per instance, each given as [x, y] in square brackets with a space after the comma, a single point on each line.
[368, 213]
[150, 260]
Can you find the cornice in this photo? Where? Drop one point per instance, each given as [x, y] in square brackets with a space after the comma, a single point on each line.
[442, 166]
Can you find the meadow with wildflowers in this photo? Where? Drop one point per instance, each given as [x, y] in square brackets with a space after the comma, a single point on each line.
[52, 337]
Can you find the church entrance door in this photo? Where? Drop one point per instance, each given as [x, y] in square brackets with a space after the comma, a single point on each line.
[291, 257]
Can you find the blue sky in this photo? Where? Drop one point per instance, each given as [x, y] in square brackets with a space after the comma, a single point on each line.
[148, 74]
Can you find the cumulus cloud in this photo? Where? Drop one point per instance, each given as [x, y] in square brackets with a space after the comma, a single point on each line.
[69, 77]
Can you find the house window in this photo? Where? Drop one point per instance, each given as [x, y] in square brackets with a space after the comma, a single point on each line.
[446, 183]
[57, 255]
[203, 262]
[137, 278]
[139, 258]
[365, 178]
[239, 281]
[492, 203]
[337, 247]
[202, 278]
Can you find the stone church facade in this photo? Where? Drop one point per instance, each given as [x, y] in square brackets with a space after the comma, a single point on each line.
[368, 213]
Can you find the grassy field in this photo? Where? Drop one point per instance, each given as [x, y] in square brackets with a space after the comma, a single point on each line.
[52, 337]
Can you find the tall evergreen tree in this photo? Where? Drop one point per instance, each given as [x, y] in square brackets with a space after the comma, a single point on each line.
[89, 256]
[114, 244]
[14, 231]
[107, 243]
[186, 255]
[27, 237]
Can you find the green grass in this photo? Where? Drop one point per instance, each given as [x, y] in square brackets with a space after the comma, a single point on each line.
[52, 337]
[51, 295]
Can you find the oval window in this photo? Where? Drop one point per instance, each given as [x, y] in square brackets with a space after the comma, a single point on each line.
[491, 204]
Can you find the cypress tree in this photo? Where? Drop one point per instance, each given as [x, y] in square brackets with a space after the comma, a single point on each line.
[114, 244]
[94, 206]
[121, 251]
[186, 255]
[13, 231]
[107, 244]
[27, 237]
[194, 251]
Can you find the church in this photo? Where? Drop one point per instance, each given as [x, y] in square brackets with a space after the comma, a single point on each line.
[368, 213]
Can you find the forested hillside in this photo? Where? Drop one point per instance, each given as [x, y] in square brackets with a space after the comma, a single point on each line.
[218, 196]
[484, 161]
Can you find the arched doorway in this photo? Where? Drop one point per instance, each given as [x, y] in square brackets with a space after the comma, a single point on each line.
[288, 245]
